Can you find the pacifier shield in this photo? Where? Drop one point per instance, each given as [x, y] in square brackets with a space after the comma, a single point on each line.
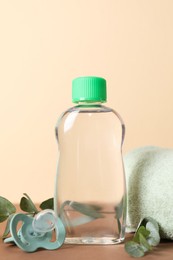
[29, 240]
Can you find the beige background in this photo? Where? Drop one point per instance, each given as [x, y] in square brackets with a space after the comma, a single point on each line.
[44, 44]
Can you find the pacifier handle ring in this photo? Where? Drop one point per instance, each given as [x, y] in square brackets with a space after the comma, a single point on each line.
[13, 230]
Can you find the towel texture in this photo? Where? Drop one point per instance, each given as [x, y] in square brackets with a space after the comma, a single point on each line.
[149, 178]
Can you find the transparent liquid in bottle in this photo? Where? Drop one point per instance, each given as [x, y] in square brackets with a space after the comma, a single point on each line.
[90, 186]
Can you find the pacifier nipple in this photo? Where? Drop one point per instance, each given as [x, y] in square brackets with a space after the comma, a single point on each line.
[44, 221]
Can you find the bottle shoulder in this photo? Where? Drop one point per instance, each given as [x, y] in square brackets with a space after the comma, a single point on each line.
[90, 115]
[88, 109]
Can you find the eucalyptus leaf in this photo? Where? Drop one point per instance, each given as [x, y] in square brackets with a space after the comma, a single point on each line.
[7, 228]
[154, 237]
[154, 223]
[96, 207]
[27, 205]
[119, 210]
[47, 204]
[80, 221]
[119, 225]
[144, 243]
[6, 209]
[134, 249]
[145, 220]
[141, 230]
[86, 209]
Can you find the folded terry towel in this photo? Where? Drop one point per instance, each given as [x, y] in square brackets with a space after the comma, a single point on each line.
[149, 178]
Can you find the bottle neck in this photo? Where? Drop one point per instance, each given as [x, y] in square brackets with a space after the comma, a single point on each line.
[89, 103]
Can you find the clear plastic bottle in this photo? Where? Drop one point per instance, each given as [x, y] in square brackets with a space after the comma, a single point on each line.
[90, 194]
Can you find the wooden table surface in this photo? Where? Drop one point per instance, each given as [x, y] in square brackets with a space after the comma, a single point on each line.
[75, 252]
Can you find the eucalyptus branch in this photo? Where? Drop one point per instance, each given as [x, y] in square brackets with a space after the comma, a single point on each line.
[146, 237]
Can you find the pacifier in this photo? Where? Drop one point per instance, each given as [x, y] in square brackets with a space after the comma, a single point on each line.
[44, 230]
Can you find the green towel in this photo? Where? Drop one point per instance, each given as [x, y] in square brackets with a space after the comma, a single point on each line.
[149, 178]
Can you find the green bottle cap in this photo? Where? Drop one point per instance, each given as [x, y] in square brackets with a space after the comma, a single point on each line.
[89, 89]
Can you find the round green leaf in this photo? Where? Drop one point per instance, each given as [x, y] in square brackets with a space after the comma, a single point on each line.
[134, 249]
[86, 209]
[144, 243]
[145, 220]
[47, 204]
[27, 205]
[154, 237]
[6, 209]
[141, 230]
